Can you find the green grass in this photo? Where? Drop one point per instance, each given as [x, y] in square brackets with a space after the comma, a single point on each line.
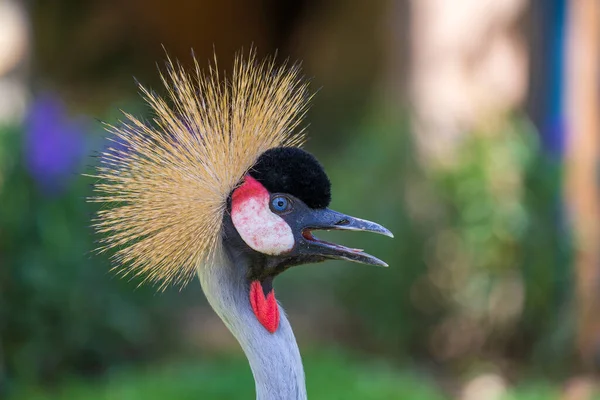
[329, 376]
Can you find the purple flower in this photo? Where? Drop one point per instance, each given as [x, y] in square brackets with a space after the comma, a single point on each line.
[54, 143]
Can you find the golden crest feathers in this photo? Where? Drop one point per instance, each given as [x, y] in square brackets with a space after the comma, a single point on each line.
[165, 186]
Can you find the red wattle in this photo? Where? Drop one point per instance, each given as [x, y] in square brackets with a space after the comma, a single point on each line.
[265, 308]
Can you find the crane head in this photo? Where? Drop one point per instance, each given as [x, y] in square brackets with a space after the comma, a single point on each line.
[218, 165]
[272, 216]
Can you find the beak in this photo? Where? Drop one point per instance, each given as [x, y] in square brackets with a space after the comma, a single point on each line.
[326, 219]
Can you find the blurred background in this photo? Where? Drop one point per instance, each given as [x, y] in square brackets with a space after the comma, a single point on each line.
[470, 128]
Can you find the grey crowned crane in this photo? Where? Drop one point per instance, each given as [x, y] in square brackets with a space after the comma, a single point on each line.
[217, 186]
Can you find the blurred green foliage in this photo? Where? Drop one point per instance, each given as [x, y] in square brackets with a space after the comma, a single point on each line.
[61, 310]
[330, 375]
[480, 263]
[369, 178]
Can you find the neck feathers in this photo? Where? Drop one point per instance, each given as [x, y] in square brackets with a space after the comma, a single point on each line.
[274, 357]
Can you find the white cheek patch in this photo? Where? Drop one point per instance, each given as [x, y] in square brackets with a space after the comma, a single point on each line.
[257, 225]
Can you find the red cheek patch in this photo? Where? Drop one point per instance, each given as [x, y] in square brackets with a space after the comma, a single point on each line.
[265, 307]
[257, 225]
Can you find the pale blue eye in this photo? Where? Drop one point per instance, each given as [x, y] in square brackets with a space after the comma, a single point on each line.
[280, 204]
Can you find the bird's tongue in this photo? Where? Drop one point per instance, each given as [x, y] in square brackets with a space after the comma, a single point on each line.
[265, 307]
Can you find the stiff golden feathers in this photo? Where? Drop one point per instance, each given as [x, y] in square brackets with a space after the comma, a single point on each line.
[166, 186]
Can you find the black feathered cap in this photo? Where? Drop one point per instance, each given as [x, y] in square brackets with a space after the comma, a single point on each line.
[294, 171]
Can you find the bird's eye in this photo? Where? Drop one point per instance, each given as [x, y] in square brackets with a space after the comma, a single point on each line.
[280, 204]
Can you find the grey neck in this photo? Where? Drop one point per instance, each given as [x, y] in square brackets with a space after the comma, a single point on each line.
[274, 358]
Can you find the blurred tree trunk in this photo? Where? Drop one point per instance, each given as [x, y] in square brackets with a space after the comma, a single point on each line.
[468, 68]
[14, 49]
[583, 200]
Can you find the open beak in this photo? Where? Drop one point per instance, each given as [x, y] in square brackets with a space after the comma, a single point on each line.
[326, 219]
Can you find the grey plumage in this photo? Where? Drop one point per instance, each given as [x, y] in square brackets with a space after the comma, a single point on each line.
[274, 358]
